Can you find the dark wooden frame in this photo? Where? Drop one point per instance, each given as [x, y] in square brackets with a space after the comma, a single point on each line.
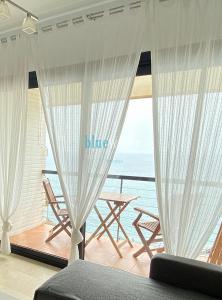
[144, 68]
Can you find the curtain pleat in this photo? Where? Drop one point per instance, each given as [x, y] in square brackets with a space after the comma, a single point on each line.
[187, 110]
[85, 97]
[13, 122]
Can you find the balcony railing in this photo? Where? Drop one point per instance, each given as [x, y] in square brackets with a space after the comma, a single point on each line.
[144, 187]
[141, 186]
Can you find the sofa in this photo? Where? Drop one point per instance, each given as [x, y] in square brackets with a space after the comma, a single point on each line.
[170, 278]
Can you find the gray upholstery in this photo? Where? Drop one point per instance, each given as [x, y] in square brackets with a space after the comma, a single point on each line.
[87, 281]
[187, 274]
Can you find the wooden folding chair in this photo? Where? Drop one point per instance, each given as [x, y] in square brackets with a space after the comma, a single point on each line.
[60, 214]
[215, 256]
[153, 227]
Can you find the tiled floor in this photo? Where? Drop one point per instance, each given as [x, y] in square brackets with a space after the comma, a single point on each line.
[98, 251]
[19, 276]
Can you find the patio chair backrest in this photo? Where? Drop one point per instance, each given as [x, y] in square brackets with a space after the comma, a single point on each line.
[50, 195]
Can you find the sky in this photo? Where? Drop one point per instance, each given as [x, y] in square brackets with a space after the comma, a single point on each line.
[137, 133]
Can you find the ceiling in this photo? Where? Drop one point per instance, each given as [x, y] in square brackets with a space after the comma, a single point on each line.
[44, 9]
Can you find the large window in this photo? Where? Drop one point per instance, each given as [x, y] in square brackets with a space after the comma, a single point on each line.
[134, 157]
[131, 172]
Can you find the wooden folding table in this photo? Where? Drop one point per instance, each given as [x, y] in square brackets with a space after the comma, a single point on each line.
[116, 203]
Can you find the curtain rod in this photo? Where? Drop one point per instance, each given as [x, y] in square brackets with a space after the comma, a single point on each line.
[94, 15]
[12, 34]
[22, 9]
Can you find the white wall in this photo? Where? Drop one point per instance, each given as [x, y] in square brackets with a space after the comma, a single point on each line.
[30, 211]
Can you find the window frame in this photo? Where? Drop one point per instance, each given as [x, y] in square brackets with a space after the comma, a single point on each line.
[144, 68]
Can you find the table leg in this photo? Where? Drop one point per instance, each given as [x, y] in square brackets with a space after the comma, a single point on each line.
[99, 227]
[107, 231]
[117, 215]
[120, 225]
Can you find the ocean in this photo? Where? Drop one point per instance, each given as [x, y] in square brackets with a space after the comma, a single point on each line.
[123, 164]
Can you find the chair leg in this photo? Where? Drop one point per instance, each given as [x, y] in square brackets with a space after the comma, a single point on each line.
[140, 251]
[66, 230]
[59, 229]
[55, 227]
[145, 243]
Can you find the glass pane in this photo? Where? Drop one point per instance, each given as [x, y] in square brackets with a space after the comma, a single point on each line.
[131, 175]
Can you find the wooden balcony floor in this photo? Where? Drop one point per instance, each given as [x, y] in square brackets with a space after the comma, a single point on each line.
[98, 251]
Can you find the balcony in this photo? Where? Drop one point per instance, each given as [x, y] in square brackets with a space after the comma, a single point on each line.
[101, 251]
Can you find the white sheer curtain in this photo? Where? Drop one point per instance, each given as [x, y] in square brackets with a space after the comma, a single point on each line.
[187, 113]
[13, 121]
[85, 96]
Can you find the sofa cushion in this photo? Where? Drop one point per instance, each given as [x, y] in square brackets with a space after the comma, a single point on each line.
[187, 274]
[87, 281]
